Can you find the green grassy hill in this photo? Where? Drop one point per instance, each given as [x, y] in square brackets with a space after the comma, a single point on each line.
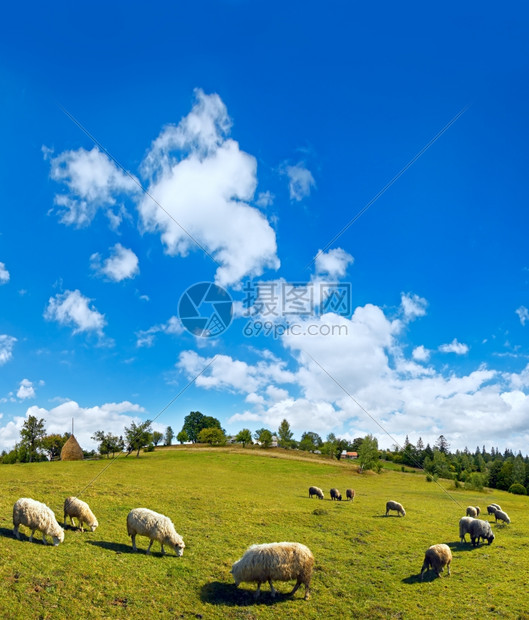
[223, 500]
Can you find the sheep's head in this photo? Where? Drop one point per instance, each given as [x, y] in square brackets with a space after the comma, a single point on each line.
[233, 571]
[403, 512]
[176, 542]
[93, 525]
[490, 538]
[58, 538]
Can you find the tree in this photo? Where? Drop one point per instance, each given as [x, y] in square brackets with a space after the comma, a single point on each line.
[310, 441]
[156, 437]
[442, 444]
[31, 435]
[108, 443]
[212, 435]
[340, 446]
[52, 445]
[244, 437]
[264, 437]
[195, 422]
[138, 436]
[368, 453]
[285, 435]
[169, 436]
[182, 437]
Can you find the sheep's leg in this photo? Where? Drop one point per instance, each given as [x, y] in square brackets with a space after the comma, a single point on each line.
[64, 520]
[149, 547]
[44, 539]
[16, 533]
[163, 550]
[81, 525]
[448, 569]
[31, 536]
[133, 538]
[307, 592]
[273, 591]
[294, 589]
[258, 591]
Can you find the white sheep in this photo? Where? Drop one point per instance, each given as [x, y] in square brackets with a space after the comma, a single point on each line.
[74, 507]
[502, 516]
[36, 516]
[472, 512]
[464, 527]
[395, 506]
[480, 529]
[437, 556]
[491, 508]
[335, 494]
[316, 491]
[282, 561]
[155, 526]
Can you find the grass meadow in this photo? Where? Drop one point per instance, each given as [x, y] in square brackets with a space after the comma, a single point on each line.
[223, 500]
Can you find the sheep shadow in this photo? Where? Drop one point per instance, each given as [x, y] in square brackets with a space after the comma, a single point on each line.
[429, 576]
[7, 532]
[111, 546]
[221, 593]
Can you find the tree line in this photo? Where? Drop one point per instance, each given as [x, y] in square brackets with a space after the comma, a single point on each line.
[506, 471]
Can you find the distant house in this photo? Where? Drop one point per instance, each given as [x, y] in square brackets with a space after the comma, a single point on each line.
[349, 455]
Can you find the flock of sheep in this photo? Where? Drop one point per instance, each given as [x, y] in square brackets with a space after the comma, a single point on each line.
[284, 561]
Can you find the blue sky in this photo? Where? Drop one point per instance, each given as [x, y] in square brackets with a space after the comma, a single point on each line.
[263, 129]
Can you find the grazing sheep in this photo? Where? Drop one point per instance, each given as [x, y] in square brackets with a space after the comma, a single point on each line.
[491, 508]
[315, 491]
[335, 494]
[74, 507]
[155, 526]
[395, 506]
[437, 556]
[282, 561]
[480, 529]
[464, 527]
[350, 494]
[502, 516]
[36, 516]
[478, 510]
[472, 512]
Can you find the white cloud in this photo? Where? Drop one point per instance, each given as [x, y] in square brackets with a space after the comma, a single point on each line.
[413, 306]
[300, 181]
[454, 347]
[120, 265]
[6, 348]
[145, 338]
[420, 354]
[264, 199]
[522, 312]
[72, 309]
[205, 183]
[4, 274]
[110, 417]
[26, 390]
[233, 375]
[93, 182]
[333, 263]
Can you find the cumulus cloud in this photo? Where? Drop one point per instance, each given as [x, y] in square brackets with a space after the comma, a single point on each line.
[26, 390]
[454, 347]
[522, 312]
[420, 354]
[145, 338]
[112, 417]
[300, 181]
[6, 348]
[120, 265]
[205, 184]
[237, 376]
[413, 306]
[333, 263]
[72, 309]
[4, 274]
[93, 182]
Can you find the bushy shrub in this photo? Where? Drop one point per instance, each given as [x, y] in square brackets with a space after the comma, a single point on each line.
[475, 481]
[518, 489]
[429, 478]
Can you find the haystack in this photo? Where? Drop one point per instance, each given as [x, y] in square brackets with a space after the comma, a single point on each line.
[71, 451]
